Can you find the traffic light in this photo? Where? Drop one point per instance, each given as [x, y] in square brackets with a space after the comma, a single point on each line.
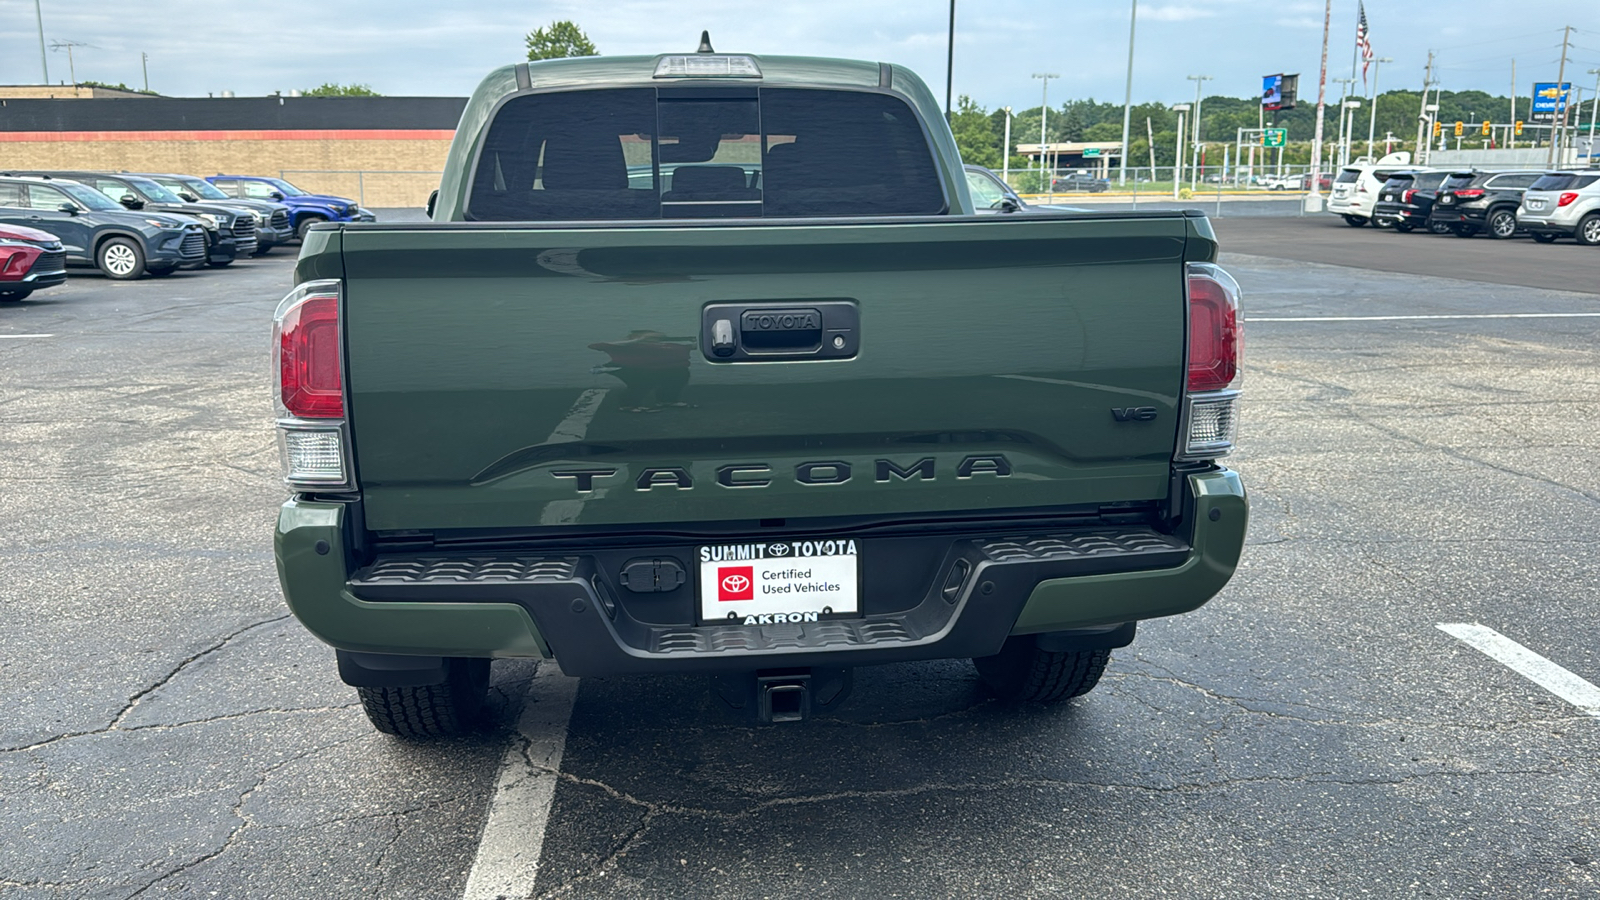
[1461, 128]
[1438, 129]
[1487, 128]
[1519, 129]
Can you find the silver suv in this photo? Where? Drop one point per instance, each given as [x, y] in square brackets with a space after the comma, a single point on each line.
[1562, 204]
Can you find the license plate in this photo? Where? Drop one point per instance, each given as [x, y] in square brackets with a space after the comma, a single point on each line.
[1387, 197]
[1536, 204]
[1447, 200]
[779, 582]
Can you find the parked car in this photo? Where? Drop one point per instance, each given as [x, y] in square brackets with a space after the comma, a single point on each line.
[1562, 204]
[1079, 181]
[305, 208]
[230, 231]
[30, 259]
[1406, 197]
[990, 194]
[95, 231]
[1355, 188]
[1473, 201]
[271, 217]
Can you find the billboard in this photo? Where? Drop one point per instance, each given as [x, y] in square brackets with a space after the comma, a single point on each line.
[1549, 101]
[1279, 91]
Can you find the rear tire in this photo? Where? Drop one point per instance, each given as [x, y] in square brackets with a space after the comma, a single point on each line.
[1464, 231]
[1502, 224]
[1438, 228]
[120, 258]
[219, 265]
[1588, 232]
[1543, 238]
[1403, 227]
[434, 710]
[1021, 672]
[1354, 221]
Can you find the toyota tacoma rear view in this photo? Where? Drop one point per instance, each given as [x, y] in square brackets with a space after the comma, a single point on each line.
[705, 364]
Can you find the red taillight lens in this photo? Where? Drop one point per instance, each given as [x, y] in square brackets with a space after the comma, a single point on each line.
[1566, 198]
[1215, 340]
[1406, 197]
[310, 380]
[1470, 194]
[16, 261]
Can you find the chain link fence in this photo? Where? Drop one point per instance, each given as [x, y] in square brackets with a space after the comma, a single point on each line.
[372, 188]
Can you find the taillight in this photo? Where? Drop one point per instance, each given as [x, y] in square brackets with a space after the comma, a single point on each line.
[310, 388]
[1566, 198]
[1214, 336]
[1470, 193]
[1216, 343]
[1406, 197]
[309, 378]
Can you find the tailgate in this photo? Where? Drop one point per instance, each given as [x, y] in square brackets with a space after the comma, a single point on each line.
[519, 376]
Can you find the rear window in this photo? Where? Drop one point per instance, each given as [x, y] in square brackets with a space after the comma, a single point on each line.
[1348, 176]
[1458, 181]
[1501, 182]
[1427, 181]
[643, 153]
[1398, 183]
[1558, 181]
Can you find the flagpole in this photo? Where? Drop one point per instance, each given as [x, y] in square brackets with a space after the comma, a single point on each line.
[1355, 52]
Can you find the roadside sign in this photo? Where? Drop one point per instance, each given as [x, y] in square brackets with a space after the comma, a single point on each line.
[1089, 152]
[1274, 137]
[1549, 100]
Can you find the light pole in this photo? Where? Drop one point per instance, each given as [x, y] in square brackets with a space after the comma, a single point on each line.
[950, 62]
[1177, 156]
[1344, 94]
[1127, 100]
[1199, 82]
[144, 65]
[1372, 122]
[1005, 151]
[1350, 107]
[1044, 113]
[1313, 201]
[39, 17]
[1594, 109]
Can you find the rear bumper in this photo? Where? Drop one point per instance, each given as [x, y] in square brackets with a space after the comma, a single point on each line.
[563, 606]
[1547, 226]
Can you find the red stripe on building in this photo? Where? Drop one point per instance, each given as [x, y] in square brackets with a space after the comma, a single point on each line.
[353, 134]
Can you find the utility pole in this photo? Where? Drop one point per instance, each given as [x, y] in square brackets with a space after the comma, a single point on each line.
[1199, 82]
[44, 67]
[1560, 122]
[1313, 201]
[1044, 113]
[144, 63]
[1511, 136]
[1422, 111]
[72, 70]
[950, 63]
[1127, 100]
[1594, 112]
[1372, 122]
[1005, 151]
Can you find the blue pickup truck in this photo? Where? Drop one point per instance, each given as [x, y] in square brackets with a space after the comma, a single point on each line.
[305, 208]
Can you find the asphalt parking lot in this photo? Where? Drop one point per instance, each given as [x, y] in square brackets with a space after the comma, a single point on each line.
[1419, 446]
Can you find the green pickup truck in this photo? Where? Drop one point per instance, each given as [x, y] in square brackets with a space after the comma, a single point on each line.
[704, 364]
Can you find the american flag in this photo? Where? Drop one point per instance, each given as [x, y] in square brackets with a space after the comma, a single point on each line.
[1362, 42]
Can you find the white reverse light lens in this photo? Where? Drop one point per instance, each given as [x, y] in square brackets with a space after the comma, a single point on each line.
[707, 65]
[312, 457]
[1213, 420]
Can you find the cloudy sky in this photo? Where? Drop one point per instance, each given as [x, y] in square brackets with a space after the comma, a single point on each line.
[409, 47]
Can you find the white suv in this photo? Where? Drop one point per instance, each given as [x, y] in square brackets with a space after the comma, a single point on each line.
[1355, 189]
[1562, 204]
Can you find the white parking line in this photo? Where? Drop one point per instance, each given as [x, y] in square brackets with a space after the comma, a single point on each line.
[513, 835]
[1583, 315]
[1530, 665]
[18, 337]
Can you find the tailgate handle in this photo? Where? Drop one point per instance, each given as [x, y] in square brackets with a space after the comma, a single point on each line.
[773, 331]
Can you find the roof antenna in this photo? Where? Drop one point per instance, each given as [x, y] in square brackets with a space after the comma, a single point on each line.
[705, 43]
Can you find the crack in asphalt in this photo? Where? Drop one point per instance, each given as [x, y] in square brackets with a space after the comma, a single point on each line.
[127, 709]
